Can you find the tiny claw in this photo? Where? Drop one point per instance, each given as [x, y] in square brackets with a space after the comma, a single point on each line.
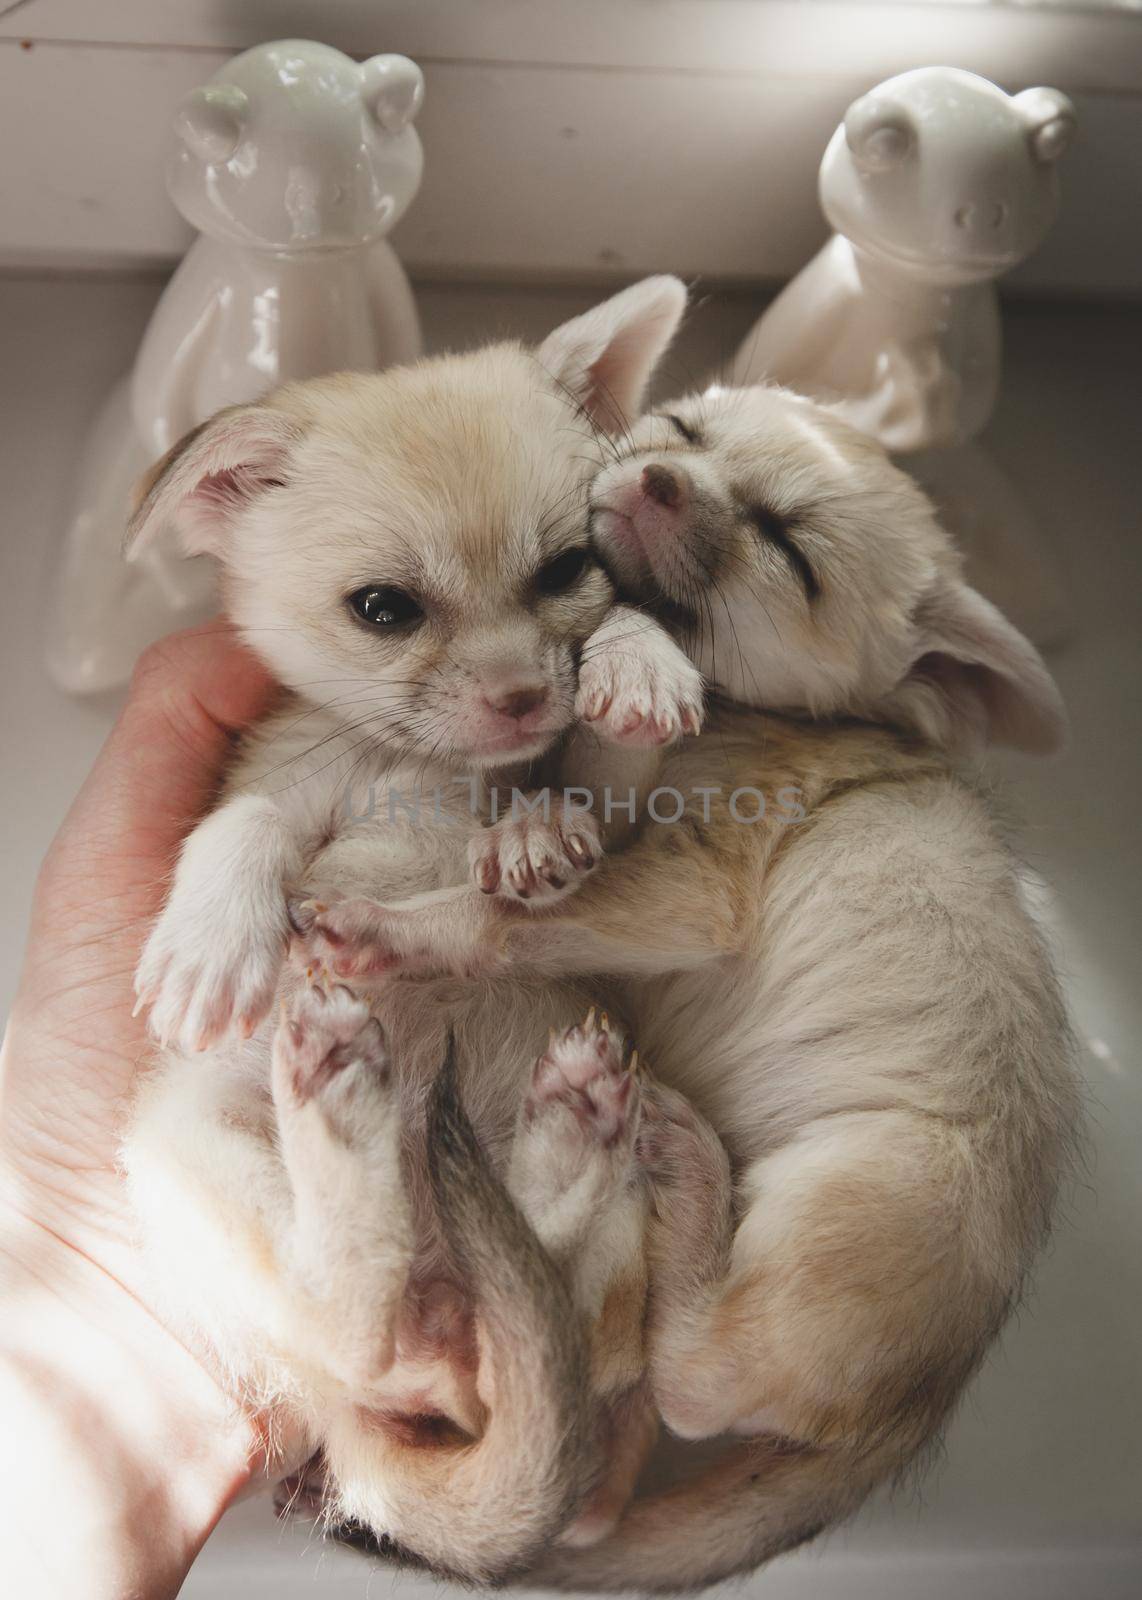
[633, 1063]
[140, 1005]
[488, 875]
[590, 1020]
[595, 706]
[604, 1022]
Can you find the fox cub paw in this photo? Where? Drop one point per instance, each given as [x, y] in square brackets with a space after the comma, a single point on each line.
[644, 693]
[590, 1079]
[535, 856]
[329, 1050]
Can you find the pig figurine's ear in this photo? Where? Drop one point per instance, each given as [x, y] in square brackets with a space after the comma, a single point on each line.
[393, 90]
[1050, 121]
[210, 121]
[879, 132]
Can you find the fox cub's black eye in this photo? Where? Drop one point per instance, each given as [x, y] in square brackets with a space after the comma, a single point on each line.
[385, 607]
[563, 570]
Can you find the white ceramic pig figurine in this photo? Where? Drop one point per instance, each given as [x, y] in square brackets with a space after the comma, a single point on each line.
[936, 182]
[293, 162]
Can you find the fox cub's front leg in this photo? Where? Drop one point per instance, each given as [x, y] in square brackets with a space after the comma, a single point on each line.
[352, 1240]
[212, 960]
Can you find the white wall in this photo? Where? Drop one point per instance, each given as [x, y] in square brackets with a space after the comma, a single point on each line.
[564, 138]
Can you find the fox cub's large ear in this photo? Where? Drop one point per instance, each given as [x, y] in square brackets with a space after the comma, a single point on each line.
[976, 680]
[210, 475]
[604, 358]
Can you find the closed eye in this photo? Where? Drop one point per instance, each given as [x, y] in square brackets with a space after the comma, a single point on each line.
[775, 531]
[691, 435]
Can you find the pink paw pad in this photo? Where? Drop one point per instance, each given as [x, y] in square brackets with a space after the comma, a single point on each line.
[591, 1070]
[328, 1032]
[349, 939]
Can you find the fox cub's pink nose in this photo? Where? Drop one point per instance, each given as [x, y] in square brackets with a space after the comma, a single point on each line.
[666, 486]
[518, 702]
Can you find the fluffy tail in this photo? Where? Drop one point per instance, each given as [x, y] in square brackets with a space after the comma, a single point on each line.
[758, 1500]
[484, 1511]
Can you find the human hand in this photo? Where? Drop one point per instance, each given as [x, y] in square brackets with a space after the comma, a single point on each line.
[128, 1449]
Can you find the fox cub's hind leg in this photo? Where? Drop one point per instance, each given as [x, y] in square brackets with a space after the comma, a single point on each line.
[575, 1176]
[573, 1172]
[352, 1234]
[855, 1299]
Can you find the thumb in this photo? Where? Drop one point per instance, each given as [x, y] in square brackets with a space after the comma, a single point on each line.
[107, 872]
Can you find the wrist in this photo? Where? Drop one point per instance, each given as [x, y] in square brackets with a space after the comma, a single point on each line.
[123, 1452]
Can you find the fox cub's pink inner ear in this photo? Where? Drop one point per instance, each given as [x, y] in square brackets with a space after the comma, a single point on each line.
[211, 475]
[604, 358]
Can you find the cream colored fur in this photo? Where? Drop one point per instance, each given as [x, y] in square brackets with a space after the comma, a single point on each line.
[451, 1317]
[859, 1002]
